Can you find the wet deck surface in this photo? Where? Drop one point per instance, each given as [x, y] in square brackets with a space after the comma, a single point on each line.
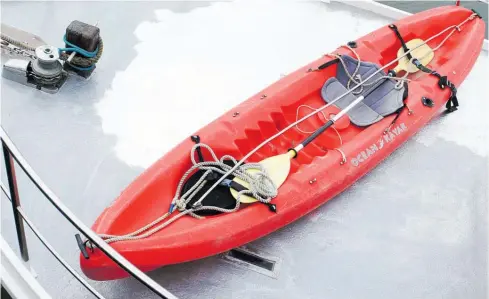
[415, 227]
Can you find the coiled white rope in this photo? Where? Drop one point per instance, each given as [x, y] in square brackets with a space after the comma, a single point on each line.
[261, 187]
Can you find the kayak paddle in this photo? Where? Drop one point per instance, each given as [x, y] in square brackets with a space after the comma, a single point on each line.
[278, 167]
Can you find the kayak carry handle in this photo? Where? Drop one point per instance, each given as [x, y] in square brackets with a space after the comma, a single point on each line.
[196, 139]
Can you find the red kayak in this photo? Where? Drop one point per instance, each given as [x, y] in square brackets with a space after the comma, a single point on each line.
[391, 112]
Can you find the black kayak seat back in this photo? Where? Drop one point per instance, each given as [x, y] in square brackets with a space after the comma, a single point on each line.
[381, 98]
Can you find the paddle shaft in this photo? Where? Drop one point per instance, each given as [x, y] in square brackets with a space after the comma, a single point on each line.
[328, 124]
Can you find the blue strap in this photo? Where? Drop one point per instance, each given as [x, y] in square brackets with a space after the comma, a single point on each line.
[74, 48]
[82, 52]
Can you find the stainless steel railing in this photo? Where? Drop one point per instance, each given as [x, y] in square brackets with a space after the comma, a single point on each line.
[11, 155]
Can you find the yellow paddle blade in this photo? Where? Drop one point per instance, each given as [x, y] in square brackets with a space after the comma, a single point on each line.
[278, 168]
[424, 54]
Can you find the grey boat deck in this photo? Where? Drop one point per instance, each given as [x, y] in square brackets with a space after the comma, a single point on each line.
[415, 227]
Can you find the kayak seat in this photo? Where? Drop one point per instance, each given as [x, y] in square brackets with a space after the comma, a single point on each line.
[382, 98]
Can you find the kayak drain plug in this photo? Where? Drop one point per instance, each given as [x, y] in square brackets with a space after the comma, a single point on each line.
[427, 102]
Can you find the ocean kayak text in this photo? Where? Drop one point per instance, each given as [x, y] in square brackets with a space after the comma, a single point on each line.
[386, 138]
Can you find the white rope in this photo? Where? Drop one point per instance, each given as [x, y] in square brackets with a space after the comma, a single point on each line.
[260, 184]
[357, 78]
[310, 132]
[353, 77]
[297, 117]
[360, 84]
[261, 187]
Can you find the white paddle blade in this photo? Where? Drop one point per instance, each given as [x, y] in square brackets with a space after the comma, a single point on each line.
[424, 54]
[278, 168]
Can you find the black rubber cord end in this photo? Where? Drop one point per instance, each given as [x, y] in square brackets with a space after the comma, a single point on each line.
[352, 44]
[392, 73]
[271, 207]
[82, 247]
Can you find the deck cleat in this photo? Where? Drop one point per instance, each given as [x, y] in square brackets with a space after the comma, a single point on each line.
[46, 67]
